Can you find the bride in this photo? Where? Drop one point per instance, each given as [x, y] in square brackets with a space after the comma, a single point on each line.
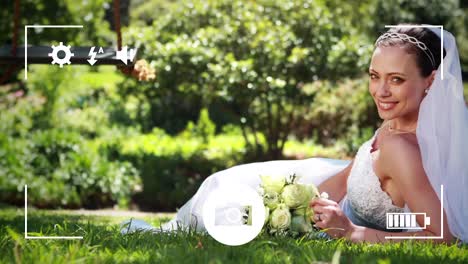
[418, 148]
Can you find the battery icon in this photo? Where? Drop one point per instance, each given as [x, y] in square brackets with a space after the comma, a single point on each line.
[406, 220]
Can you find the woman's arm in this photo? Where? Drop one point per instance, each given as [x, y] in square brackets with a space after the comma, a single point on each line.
[400, 161]
[335, 186]
[406, 170]
[334, 222]
[408, 173]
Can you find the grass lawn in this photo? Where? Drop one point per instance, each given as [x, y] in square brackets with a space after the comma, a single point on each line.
[103, 243]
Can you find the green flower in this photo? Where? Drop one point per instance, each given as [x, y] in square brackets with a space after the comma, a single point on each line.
[295, 195]
[271, 200]
[272, 183]
[280, 218]
[300, 224]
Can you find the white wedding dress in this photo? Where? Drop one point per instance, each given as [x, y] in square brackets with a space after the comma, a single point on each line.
[365, 204]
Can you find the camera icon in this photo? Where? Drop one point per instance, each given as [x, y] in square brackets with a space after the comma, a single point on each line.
[233, 215]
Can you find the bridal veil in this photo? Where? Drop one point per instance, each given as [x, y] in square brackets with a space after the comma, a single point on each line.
[442, 134]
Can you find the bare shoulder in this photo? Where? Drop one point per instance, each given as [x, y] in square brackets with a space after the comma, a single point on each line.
[400, 143]
[400, 155]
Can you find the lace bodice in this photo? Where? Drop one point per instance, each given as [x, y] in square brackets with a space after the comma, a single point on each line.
[364, 191]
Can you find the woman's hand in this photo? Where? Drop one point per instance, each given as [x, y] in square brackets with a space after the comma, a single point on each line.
[329, 216]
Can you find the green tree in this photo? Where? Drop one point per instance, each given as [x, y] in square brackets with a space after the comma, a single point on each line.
[90, 14]
[255, 56]
[370, 16]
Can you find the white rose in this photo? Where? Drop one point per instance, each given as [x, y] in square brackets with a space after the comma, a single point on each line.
[280, 218]
[295, 195]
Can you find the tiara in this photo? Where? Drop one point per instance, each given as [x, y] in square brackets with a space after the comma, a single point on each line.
[410, 39]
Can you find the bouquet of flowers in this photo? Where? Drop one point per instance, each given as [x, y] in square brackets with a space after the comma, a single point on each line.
[287, 204]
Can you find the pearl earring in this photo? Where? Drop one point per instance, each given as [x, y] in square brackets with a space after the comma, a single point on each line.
[427, 90]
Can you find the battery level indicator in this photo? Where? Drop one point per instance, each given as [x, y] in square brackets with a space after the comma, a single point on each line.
[406, 220]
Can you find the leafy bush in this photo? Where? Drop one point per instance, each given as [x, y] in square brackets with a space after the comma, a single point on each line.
[66, 141]
[62, 169]
[52, 137]
[342, 112]
[173, 167]
[204, 128]
[255, 56]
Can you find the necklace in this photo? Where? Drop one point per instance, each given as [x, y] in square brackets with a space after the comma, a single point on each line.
[392, 129]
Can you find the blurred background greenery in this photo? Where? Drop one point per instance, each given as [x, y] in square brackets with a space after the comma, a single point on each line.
[237, 82]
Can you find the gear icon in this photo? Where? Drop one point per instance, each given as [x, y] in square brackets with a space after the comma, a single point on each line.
[65, 59]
